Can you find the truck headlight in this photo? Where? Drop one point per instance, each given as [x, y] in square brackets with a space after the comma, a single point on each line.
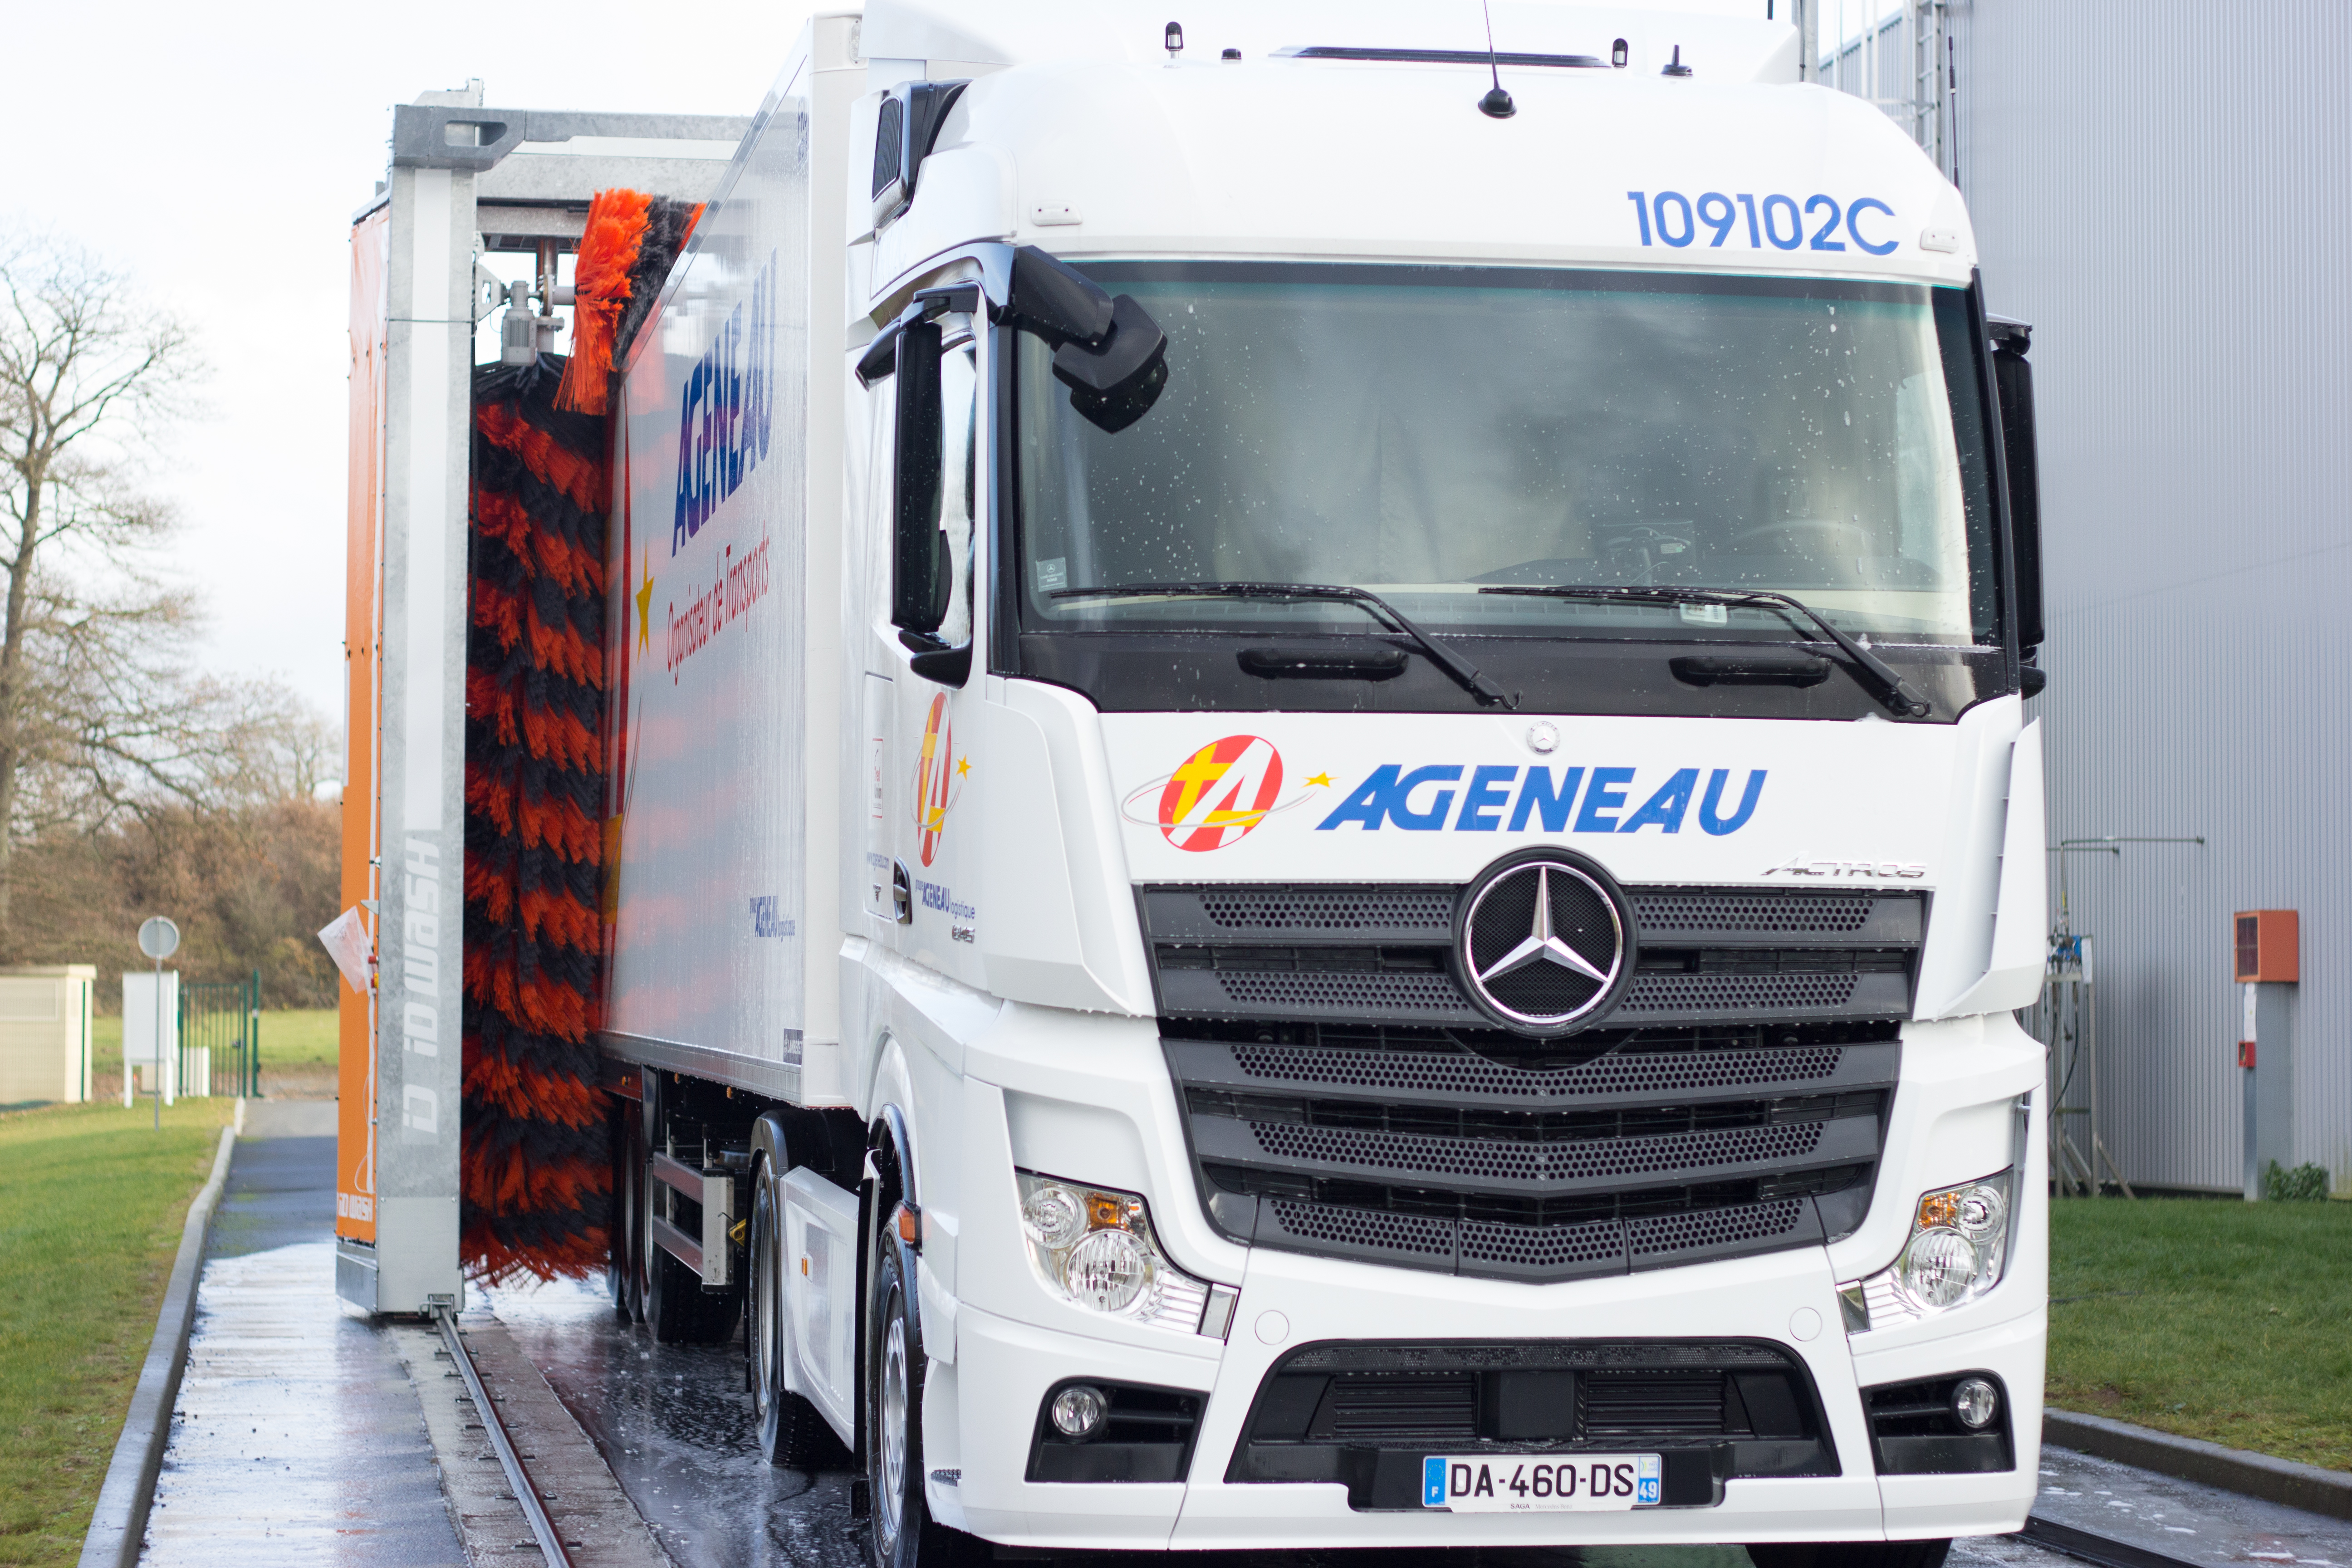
[1093, 1247]
[1957, 1250]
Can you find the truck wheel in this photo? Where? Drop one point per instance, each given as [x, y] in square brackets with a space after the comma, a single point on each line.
[676, 1309]
[622, 1263]
[792, 1432]
[899, 1532]
[1851, 1554]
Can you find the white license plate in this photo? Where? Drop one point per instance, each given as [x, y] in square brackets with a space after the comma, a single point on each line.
[1531, 1483]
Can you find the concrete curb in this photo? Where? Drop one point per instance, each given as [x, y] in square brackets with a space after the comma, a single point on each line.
[2193, 1460]
[118, 1527]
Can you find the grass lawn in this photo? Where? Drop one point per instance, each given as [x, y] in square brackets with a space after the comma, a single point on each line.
[291, 1037]
[91, 1202]
[2220, 1320]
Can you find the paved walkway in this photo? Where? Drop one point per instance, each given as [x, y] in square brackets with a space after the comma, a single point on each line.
[298, 1436]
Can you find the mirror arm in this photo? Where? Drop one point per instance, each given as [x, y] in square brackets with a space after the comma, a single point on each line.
[947, 663]
[880, 359]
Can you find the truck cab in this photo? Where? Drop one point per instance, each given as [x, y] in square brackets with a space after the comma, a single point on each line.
[1368, 696]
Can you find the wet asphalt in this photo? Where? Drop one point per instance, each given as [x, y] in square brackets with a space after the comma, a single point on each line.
[299, 1438]
[296, 1436]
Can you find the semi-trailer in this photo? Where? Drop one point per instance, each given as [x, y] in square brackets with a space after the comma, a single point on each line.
[1317, 827]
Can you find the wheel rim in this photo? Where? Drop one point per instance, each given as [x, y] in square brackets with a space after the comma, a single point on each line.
[894, 1421]
[764, 1306]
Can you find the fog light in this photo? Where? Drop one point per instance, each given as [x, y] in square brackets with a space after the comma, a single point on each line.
[1976, 1402]
[1079, 1411]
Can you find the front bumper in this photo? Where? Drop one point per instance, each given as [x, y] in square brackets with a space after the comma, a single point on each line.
[1003, 1368]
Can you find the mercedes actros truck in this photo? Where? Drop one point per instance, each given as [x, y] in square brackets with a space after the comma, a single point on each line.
[1322, 823]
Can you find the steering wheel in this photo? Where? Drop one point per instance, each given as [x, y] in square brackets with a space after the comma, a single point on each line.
[1808, 535]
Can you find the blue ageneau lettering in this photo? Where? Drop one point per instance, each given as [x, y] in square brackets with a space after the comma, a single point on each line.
[1483, 802]
[1545, 800]
[1605, 794]
[725, 410]
[1387, 796]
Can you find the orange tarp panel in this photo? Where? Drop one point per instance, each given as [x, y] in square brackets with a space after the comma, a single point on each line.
[362, 610]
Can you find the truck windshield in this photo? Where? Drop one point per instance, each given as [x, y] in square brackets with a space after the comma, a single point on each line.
[1427, 432]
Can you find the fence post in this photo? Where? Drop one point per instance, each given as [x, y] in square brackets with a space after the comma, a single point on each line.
[253, 1037]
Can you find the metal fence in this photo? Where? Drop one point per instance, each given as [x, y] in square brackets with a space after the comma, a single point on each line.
[220, 1037]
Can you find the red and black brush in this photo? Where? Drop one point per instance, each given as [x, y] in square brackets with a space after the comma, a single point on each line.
[537, 1180]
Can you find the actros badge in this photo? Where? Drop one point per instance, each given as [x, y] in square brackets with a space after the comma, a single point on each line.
[1544, 941]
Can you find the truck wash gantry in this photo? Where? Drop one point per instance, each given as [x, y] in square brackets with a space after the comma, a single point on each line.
[464, 179]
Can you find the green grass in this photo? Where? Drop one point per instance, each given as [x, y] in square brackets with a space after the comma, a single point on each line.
[2226, 1321]
[291, 1037]
[91, 1202]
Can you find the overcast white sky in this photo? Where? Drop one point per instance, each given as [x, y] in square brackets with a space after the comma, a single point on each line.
[217, 152]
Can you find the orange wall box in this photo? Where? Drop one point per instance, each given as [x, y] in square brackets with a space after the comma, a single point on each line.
[2266, 945]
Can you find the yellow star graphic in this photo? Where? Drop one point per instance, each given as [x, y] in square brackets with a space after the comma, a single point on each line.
[645, 596]
[963, 766]
[1324, 779]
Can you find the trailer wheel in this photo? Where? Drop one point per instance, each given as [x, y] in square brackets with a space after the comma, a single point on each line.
[676, 1309]
[899, 1532]
[792, 1432]
[1850, 1554]
[622, 1262]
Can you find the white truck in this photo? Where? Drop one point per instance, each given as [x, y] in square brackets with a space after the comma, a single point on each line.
[1324, 823]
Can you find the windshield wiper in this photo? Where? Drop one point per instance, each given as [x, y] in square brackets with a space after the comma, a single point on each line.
[1445, 657]
[1892, 688]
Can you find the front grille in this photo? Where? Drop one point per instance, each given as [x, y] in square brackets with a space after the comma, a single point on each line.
[1383, 954]
[1369, 994]
[1709, 912]
[1358, 911]
[1366, 1413]
[1446, 1076]
[1344, 1098]
[1479, 1153]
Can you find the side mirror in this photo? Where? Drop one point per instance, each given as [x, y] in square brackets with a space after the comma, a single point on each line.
[2013, 381]
[1109, 352]
[918, 555]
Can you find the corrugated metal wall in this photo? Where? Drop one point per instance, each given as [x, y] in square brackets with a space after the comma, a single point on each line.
[2165, 190]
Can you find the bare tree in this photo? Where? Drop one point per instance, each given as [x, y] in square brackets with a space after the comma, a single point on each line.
[87, 374]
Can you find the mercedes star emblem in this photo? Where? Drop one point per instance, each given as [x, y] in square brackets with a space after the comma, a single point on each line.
[1542, 940]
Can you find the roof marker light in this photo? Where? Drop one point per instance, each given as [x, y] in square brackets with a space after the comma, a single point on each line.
[1173, 40]
[1617, 54]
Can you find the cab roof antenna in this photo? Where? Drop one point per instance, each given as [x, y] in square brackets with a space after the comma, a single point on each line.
[1497, 104]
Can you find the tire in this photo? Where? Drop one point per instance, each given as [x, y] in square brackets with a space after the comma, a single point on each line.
[899, 1530]
[621, 1262]
[791, 1431]
[1851, 1554]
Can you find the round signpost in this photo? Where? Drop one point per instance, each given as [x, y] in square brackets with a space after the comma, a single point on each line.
[158, 939]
